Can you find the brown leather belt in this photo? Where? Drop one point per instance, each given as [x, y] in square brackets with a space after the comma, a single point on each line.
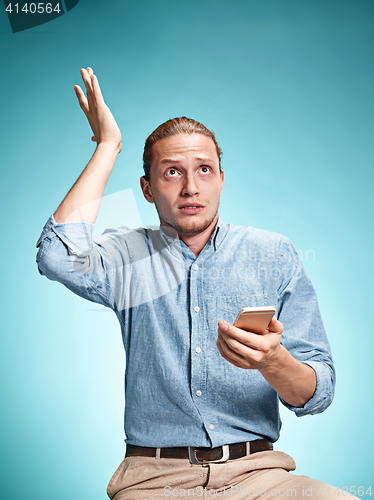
[202, 455]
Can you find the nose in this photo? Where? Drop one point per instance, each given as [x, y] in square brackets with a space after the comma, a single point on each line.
[190, 187]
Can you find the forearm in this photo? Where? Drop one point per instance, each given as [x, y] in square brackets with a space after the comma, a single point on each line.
[82, 203]
[295, 382]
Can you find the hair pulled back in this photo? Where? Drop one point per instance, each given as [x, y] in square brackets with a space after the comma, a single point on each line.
[174, 126]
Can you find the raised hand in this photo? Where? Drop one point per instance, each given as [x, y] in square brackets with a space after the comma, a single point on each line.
[82, 203]
[99, 116]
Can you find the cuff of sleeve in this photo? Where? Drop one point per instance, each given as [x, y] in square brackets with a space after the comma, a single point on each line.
[47, 231]
[323, 395]
[77, 236]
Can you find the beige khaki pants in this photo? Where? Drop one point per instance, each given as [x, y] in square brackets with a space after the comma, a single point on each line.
[263, 475]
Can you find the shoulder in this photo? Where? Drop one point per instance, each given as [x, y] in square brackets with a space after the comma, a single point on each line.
[259, 237]
[122, 233]
[261, 244]
[139, 242]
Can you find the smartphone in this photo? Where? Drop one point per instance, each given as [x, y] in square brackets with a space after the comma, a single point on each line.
[254, 319]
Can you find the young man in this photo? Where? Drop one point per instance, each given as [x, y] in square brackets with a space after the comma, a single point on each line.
[201, 395]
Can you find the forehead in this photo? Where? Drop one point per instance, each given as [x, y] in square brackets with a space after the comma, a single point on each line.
[180, 147]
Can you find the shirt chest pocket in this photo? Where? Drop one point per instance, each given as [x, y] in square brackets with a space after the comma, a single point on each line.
[227, 308]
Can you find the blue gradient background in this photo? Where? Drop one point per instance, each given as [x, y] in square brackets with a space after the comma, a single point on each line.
[287, 86]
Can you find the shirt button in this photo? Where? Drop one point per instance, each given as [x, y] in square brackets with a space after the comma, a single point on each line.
[197, 309]
[198, 350]
[211, 427]
[198, 393]
[196, 267]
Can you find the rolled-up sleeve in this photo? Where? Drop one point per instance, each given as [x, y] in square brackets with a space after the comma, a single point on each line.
[67, 254]
[304, 335]
[323, 395]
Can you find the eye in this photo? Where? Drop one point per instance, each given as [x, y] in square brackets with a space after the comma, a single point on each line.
[172, 172]
[204, 169]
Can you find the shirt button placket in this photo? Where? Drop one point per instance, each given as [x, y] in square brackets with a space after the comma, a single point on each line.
[197, 361]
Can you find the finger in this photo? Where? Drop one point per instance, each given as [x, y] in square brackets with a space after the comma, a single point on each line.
[231, 356]
[84, 105]
[240, 355]
[95, 86]
[86, 78]
[81, 98]
[87, 83]
[275, 326]
[244, 350]
[233, 334]
[96, 89]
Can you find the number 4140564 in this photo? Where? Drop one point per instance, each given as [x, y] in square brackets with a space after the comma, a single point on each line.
[34, 8]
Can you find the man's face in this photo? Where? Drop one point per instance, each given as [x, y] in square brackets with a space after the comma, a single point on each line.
[185, 182]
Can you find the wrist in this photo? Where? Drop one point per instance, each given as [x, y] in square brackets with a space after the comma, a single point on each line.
[111, 147]
[276, 363]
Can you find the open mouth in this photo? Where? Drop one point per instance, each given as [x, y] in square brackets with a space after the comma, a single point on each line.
[191, 209]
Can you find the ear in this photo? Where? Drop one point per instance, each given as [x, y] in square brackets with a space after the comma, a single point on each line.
[146, 188]
[222, 179]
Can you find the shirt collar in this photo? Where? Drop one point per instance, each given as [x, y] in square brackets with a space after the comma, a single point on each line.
[216, 238]
[213, 244]
[170, 236]
[219, 233]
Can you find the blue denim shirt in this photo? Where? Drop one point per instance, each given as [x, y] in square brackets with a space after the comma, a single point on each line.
[179, 390]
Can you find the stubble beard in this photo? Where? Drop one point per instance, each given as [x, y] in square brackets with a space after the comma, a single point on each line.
[189, 227]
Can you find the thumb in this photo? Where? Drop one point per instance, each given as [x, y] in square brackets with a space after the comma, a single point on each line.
[275, 326]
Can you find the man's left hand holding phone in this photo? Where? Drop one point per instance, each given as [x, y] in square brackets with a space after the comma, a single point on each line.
[246, 349]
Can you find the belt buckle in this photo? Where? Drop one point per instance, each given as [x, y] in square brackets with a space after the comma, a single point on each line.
[194, 460]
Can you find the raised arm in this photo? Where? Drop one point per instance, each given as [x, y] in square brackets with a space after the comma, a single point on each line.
[82, 203]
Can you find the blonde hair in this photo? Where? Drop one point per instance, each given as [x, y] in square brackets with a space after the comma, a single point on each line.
[174, 126]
